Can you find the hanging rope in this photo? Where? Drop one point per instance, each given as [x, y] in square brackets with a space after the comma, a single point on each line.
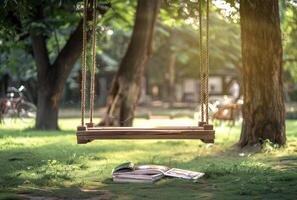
[201, 62]
[93, 67]
[204, 63]
[84, 65]
[207, 61]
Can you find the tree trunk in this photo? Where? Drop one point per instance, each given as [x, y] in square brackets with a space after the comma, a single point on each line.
[263, 110]
[52, 77]
[47, 113]
[125, 91]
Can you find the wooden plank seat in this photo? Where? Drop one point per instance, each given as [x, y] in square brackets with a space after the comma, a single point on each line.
[88, 134]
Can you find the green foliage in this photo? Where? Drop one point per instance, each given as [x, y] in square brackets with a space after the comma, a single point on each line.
[183, 40]
[289, 27]
[120, 16]
[16, 61]
[52, 164]
[23, 17]
[18, 19]
[55, 20]
[268, 146]
[180, 18]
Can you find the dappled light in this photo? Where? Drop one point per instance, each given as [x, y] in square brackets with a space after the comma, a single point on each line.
[47, 163]
[148, 99]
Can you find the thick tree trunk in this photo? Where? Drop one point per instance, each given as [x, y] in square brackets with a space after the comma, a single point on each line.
[47, 112]
[263, 110]
[52, 78]
[125, 90]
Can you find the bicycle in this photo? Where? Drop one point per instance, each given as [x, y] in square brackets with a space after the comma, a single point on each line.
[15, 105]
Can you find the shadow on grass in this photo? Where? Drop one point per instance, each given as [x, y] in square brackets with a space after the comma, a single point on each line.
[228, 181]
[63, 170]
[224, 179]
[58, 167]
[71, 192]
[33, 133]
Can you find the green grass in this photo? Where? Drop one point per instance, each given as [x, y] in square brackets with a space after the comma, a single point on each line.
[51, 164]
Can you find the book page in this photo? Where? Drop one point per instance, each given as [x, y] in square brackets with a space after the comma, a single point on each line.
[125, 167]
[159, 168]
[184, 174]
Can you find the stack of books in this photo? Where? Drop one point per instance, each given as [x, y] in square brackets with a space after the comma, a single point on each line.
[129, 172]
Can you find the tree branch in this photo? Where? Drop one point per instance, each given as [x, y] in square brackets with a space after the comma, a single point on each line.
[66, 59]
[69, 54]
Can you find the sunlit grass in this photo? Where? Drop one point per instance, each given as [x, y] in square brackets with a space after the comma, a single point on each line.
[52, 164]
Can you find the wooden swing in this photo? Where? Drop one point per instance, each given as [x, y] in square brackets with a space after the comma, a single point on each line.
[87, 132]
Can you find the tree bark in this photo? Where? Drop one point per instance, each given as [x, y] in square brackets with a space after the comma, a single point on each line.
[263, 110]
[125, 91]
[46, 117]
[52, 78]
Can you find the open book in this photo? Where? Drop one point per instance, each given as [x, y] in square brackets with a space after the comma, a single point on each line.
[128, 172]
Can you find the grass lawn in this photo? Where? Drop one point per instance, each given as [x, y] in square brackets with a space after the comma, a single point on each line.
[52, 165]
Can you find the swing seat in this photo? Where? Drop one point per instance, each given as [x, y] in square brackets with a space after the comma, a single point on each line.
[87, 133]
[204, 132]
